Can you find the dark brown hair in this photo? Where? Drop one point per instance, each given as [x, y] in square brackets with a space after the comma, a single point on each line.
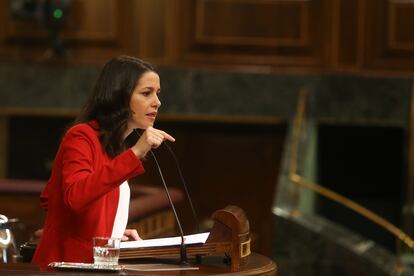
[109, 102]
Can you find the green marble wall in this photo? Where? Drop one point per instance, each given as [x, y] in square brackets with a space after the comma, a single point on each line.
[341, 98]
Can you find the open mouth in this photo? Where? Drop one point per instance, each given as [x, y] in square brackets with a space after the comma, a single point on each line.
[152, 115]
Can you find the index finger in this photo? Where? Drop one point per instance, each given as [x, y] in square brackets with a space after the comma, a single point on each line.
[168, 136]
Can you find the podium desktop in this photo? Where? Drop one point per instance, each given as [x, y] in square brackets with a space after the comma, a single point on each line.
[228, 237]
[226, 251]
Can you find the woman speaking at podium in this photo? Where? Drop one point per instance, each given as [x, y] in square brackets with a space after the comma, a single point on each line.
[87, 194]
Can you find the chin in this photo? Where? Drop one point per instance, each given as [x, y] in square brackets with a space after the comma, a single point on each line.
[145, 126]
[143, 123]
[150, 124]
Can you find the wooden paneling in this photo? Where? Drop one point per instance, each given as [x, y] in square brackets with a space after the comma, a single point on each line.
[390, 34]
[153, 29]
[227, 22]
[315, 35]
[347, 33]
[253, 32]
[400, 25]
[94, 30]
[84, 23]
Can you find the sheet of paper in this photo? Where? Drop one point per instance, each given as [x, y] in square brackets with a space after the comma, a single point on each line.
[158, 267]
[189, 239]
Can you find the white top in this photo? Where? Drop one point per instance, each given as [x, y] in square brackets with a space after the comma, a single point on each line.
[121, 217]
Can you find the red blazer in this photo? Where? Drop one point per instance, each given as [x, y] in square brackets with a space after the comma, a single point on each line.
[81, 196]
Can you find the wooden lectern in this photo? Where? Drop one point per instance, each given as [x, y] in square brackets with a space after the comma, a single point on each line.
[229, 237]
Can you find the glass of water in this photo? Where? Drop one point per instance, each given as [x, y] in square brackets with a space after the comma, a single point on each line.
[106, 250]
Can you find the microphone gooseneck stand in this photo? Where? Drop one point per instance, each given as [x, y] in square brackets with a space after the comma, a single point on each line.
[183, 250]
[198, 256]
[184, 185]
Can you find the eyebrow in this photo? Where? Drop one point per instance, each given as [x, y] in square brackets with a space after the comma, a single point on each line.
[148, 87]
[151, 88]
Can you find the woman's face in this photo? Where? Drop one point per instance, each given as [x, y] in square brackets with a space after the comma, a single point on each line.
[144, 101]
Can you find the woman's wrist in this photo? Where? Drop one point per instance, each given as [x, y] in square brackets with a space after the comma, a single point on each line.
[138, 153]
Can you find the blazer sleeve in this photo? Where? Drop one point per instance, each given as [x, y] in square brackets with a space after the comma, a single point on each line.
[87, 173]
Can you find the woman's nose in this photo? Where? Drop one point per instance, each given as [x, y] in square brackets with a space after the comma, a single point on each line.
[157, 101]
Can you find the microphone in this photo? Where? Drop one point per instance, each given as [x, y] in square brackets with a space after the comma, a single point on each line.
[198, 256]
[184, 185]
[183, 249]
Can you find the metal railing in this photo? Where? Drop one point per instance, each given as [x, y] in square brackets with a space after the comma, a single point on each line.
[300, 181]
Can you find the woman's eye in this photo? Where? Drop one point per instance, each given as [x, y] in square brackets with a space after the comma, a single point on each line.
[146, 94]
